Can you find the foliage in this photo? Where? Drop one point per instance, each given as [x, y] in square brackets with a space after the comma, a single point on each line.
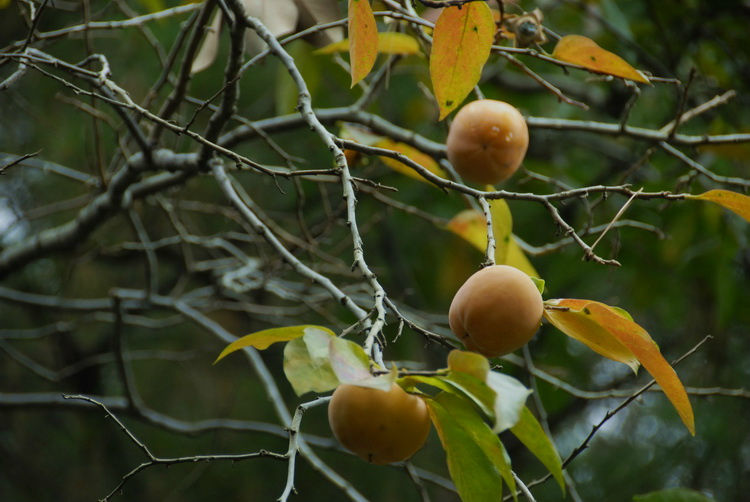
[177, 175]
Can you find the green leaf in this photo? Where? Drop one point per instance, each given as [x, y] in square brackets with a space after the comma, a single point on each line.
[261, 340]
[307, 365]
[474, 390]
[673, 495]
[472, 363]
[530, 433]
[539, 283]
[352, 366]
[509, 401]
[474, 454]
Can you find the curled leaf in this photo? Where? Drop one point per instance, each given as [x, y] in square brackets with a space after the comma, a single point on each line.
[589, 321]
[461, 44]
[735, 202]
[585, 52]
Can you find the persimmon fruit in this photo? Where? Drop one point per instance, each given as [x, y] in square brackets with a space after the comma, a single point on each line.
[378, 426]
[487, 141]
[496, 311]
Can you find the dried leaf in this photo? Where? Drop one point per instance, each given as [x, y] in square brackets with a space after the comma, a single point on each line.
[388, 43]
[313, 12]
[735, 202]
[602, 321]
[363, 39]
[210, 46]
[279, 16]
[461, 45]
[417, 156]
[585, 52]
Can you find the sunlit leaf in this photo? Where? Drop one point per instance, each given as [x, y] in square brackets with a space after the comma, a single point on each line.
[460, 46]
[363, 39]
[472, 363]
[4, 4]
[417, 156]
[263, 339]
[352, 366]
[209, 47]
[631, 336]
[472, 453]
[509, 401]
[307, 365]
[388, 43]
[735, 202]
[529, 431]
[673, 495]
[585, 52]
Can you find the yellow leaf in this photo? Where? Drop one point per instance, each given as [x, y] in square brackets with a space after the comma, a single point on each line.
[363, 37]
[735, 202]
[460, 46]
[502, 228]
[263, 339]
[417, 156]
[470, 225]
[585, 52]
[388, 43]
[4, 3]
[600, 324]
[518, 259]
[580, 326]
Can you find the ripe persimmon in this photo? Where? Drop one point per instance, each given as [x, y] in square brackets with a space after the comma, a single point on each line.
[487, 141]
[378, 426]
[496, 311]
